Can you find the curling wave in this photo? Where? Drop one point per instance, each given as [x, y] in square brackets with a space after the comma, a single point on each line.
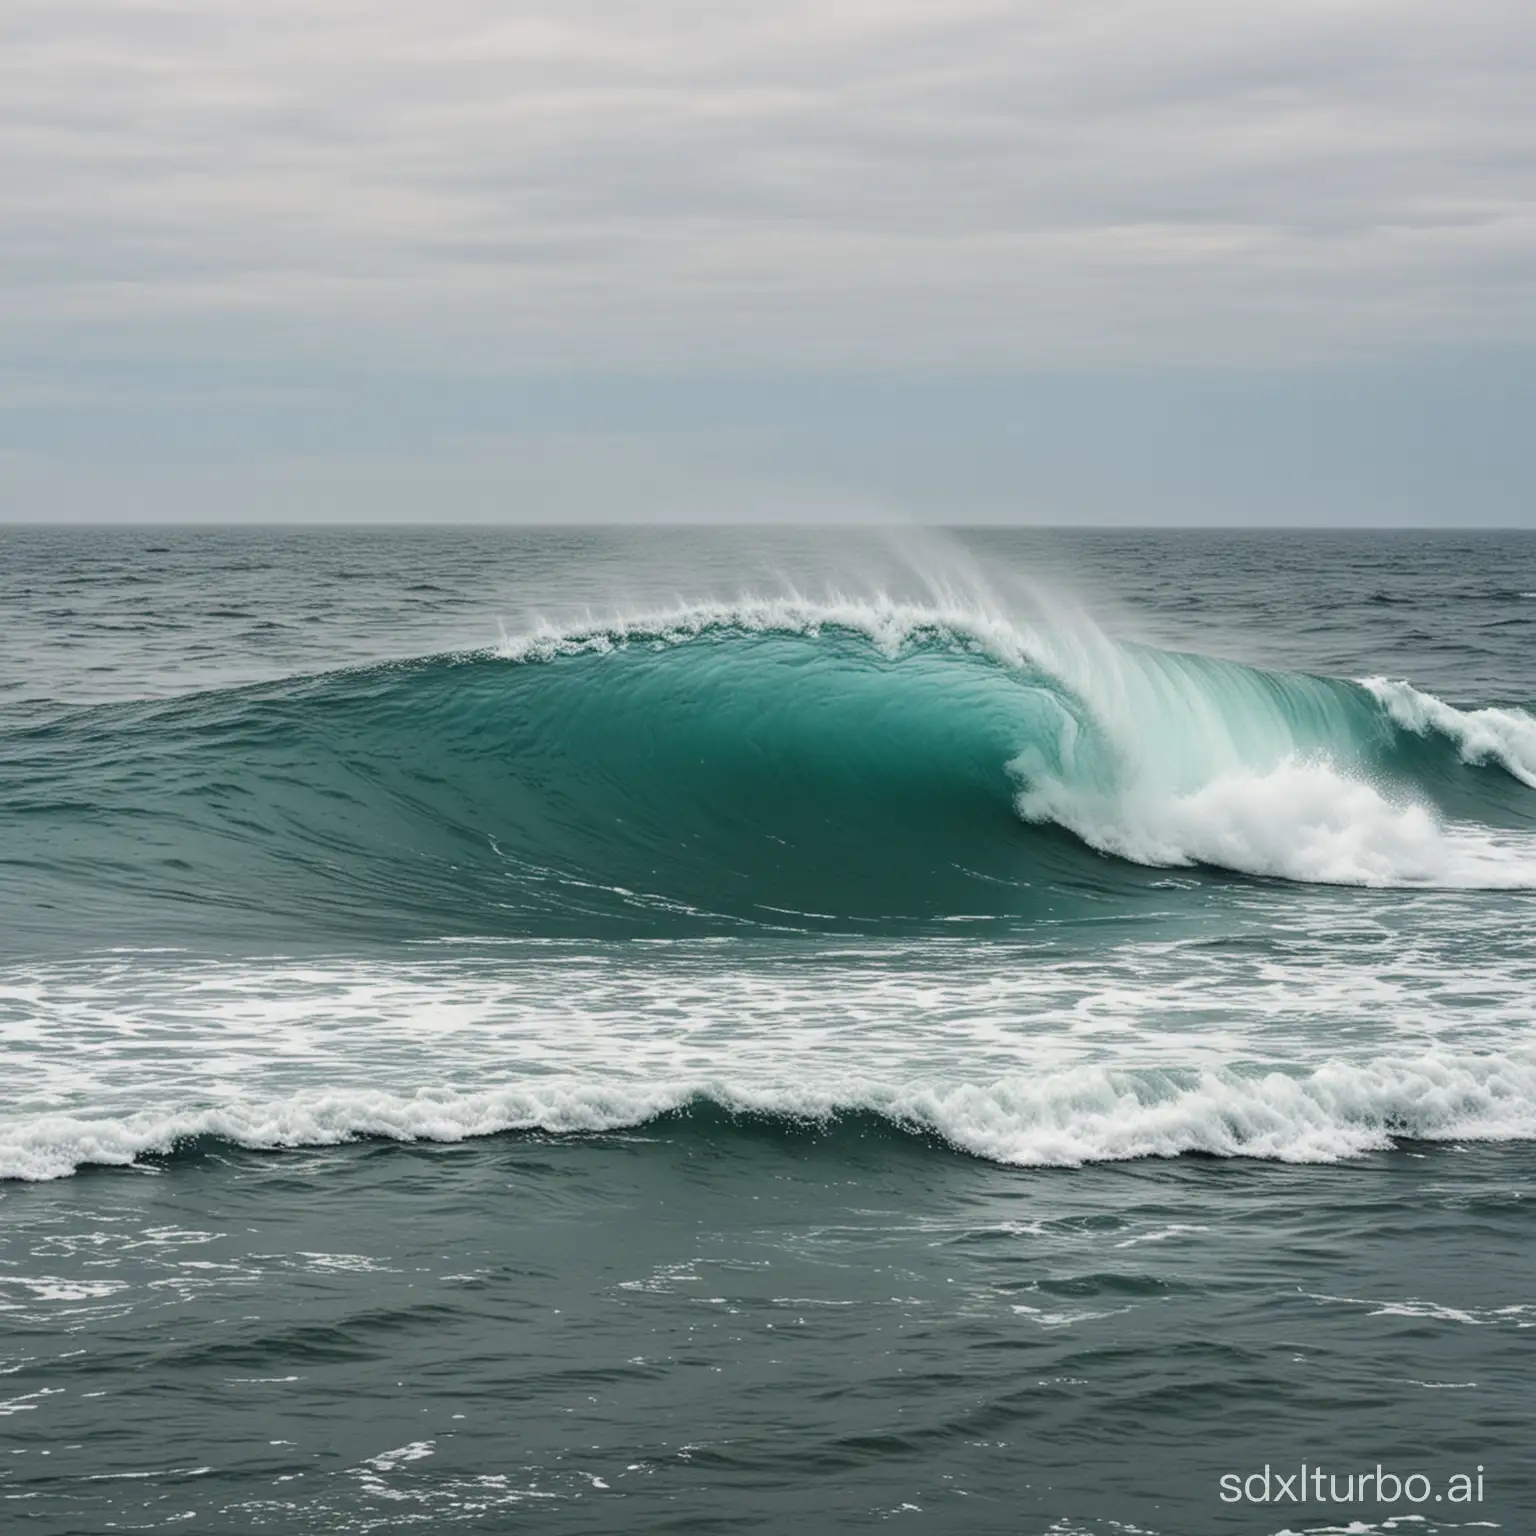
[784, 763]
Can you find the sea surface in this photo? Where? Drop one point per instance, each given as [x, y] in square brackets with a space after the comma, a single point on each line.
[698, 1030]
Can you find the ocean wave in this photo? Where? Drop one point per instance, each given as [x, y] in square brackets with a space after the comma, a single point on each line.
[1065, 1118]
[1199, 761]
[778, 763]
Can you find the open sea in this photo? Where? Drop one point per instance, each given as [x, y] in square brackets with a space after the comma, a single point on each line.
[697, 1030]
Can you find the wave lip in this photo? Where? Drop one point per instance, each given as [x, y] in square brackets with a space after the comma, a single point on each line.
[1065, 1118]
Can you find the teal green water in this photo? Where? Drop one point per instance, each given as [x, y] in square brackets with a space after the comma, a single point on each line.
[767, 766]
[693, 1031]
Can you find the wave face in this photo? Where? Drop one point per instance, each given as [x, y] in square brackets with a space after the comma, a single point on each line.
[776, 764]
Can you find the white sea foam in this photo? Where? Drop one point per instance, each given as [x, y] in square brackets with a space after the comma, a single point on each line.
[1503, 736]
[1305, 1029]
[1302, 821]
[1082, 1115]
[887, 623]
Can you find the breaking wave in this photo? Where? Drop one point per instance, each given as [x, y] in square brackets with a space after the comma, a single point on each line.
[1063, 1118]
[778, 763]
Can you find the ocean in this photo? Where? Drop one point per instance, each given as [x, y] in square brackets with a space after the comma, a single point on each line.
[696, 1030]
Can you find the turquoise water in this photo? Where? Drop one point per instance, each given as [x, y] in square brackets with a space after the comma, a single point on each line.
[676, 1030]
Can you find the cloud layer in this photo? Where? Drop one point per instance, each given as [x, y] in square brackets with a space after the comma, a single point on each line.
[661, 184]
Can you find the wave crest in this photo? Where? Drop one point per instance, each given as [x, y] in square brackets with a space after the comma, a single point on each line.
[1505, 737]
[1065, 1118]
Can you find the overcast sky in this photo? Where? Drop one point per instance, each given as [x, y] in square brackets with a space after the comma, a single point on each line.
[945, 259]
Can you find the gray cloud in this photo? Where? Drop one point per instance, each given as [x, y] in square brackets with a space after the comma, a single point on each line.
[660, 184]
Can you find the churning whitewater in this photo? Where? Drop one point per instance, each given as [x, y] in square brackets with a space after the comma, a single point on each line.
[1082, 1115]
